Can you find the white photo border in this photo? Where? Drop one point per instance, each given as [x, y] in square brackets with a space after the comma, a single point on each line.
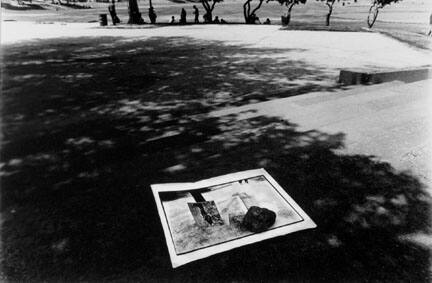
[183, 258]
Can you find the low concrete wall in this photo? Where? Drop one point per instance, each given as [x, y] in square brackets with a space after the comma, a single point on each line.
[349, 77]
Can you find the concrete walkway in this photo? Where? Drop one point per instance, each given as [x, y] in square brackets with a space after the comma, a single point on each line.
[392, 121]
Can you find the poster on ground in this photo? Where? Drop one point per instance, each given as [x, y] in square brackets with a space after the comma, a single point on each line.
[208, 217]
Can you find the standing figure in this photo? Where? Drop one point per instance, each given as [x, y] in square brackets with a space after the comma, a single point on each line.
[183, 16]
[112, 11]
[152, 15]
[172, 21]
[196, 14]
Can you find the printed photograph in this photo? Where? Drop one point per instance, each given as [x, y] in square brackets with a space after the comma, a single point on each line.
[209, 216]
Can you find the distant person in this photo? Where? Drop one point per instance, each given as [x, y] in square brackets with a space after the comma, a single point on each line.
[207, 18]
[255, 19]
[172, 21]
[152, 15]
[252, 19]
[196, 14]
[223, 21]
[112, 11]
[267, 22]
[216, 20]
[183, 16]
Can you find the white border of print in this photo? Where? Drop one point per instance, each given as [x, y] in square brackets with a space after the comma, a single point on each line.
[178, 260]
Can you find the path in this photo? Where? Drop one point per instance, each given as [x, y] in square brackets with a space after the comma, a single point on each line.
[392, 121]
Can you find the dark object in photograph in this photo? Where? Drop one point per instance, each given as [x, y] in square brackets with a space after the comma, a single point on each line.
[204, 212]
[259, 219]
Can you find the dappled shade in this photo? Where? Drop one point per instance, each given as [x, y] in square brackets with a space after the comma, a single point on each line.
[87, 74]
[83, 141]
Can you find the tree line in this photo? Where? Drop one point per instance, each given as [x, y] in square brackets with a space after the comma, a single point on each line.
[250, 8]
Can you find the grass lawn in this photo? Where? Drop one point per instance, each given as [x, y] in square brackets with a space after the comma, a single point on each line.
[407, 21]
[88, 123]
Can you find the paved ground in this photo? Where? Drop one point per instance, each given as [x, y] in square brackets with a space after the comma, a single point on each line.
[76, 165]
[407, 20]
[334, 50]
[392, 121]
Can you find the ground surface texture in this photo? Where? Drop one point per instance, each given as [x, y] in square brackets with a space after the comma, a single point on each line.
[91, 118]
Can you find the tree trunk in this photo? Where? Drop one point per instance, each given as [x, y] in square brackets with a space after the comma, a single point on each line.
[209, 10]
[210, 13]
[246, 11]
[289, 14]
[373, 14]
[256, 9]
[329, 15]
[134, 13]
[151, 13]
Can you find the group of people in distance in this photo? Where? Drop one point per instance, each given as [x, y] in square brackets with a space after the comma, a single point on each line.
[206, 17]
[255, 20]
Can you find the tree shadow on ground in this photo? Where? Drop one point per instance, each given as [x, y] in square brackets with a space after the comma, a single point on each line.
[77, 206]
[63, 75]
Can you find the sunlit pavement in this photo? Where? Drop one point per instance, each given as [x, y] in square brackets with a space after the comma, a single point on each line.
[392, 121]
[334, 50]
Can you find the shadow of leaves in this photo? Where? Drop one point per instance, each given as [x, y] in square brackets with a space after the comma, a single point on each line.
[76, 202]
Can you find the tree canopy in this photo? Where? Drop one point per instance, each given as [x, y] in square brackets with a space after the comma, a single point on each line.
[209, 7]
[290, 4]
[329, 4]
[383, 3]
[249, 13]
[374, 10]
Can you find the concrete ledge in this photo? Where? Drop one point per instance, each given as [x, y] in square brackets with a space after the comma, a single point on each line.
[349, 77]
